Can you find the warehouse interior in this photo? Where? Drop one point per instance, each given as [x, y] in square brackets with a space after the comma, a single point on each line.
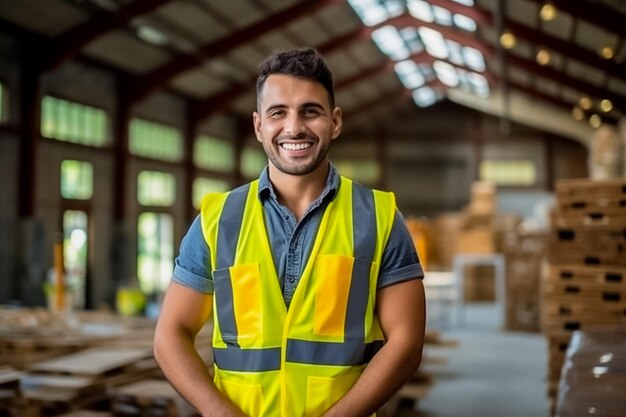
[498, 124]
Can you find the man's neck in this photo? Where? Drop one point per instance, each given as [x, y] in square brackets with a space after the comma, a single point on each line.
[297, 192]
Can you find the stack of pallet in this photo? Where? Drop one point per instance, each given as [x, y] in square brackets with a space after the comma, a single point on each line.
[82, 361]
[593, 381]
[585, 284]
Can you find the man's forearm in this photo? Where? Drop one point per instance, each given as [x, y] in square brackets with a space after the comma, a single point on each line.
[189, 375]
[392, 366]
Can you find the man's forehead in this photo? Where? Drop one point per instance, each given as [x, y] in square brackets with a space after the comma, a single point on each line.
[285, 89]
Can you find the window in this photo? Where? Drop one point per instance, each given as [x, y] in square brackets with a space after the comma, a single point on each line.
[76, 180]
[156, 188]
[72, 122]
[364, 171]
[253, 160]
[515, 172]
[155, 141]
[214, 154]
[155, 254]
[75, 240]
[202, 186]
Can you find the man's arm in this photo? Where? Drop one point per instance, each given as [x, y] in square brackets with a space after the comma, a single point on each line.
[401, 313]
[183, 314]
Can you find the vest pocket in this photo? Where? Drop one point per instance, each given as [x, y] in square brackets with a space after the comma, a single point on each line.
[247, 397]
[323, 392]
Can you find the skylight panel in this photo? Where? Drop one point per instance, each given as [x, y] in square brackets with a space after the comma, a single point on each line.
[390, 42]
[479, 84]
[421, 10]
[446, 73]
[464, 22]
[468, 3]
[474, 59]
[442, 16]
[434, 42]
[412, 39]
[409, 74]
[375, 12]
[424, 96]
[456, 52]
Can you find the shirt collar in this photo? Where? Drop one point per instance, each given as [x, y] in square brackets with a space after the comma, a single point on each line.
[330, 189]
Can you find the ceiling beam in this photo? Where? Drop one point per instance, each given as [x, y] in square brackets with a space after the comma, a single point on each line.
[600, 15]
[71, 42]
[561, 78]
[184, 62]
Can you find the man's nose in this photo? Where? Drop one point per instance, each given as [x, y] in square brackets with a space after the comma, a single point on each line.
[294, 125]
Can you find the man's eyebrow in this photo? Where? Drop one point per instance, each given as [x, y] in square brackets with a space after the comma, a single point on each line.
[312, 104]
[275, 107]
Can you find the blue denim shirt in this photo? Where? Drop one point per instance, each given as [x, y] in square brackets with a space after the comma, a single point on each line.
[292, 242]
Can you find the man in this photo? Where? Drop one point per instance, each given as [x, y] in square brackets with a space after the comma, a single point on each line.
[311, 280]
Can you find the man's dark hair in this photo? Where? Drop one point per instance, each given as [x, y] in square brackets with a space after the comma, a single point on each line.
[304, 63]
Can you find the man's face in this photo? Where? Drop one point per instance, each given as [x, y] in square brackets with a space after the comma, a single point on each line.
[295, 124]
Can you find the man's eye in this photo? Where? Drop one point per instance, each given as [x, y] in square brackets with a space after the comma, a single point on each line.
[311, 112]
[277, 113]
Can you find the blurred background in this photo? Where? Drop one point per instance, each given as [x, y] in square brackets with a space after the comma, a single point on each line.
[498, 124]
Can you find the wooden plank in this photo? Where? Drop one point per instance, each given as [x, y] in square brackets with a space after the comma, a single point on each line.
[95, 361]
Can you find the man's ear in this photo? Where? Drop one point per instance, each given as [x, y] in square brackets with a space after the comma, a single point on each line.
[337, 122]
[256, 121]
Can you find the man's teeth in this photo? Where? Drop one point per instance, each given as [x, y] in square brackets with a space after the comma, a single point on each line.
[295, 146]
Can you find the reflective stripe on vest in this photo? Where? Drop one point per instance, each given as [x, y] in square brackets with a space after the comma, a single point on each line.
[352, 351]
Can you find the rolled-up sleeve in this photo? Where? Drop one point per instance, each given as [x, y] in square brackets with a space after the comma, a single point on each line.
[192, 267]
[400, 260]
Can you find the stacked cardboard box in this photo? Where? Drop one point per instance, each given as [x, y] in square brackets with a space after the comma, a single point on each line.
[585, 285]
[593, 381]
[525, 254]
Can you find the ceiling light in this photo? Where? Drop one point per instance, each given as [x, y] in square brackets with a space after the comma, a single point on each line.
[547, 12]
[543, 57]
[606, 105]
[607, 52]
[508, 40]
[595, 121]
[578, 113]
[585, 103]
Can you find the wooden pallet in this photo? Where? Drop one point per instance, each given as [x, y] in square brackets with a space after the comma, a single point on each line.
[578, 274]
[149, 398]
[589, 189]
[601, 219]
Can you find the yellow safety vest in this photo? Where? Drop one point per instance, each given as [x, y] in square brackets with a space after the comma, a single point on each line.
[274, 362]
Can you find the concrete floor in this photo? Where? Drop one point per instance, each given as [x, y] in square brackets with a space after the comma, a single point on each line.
[490, 373]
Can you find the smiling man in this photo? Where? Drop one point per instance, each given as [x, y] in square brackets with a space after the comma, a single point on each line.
[311, 280]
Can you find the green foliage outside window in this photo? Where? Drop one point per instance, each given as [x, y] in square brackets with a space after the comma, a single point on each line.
[76, 180]
[253, 160]
[155, 251]
[363, 171]
[155, 141]
[214, 154]
[202, 186]
[156, 188]
[72, 122]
